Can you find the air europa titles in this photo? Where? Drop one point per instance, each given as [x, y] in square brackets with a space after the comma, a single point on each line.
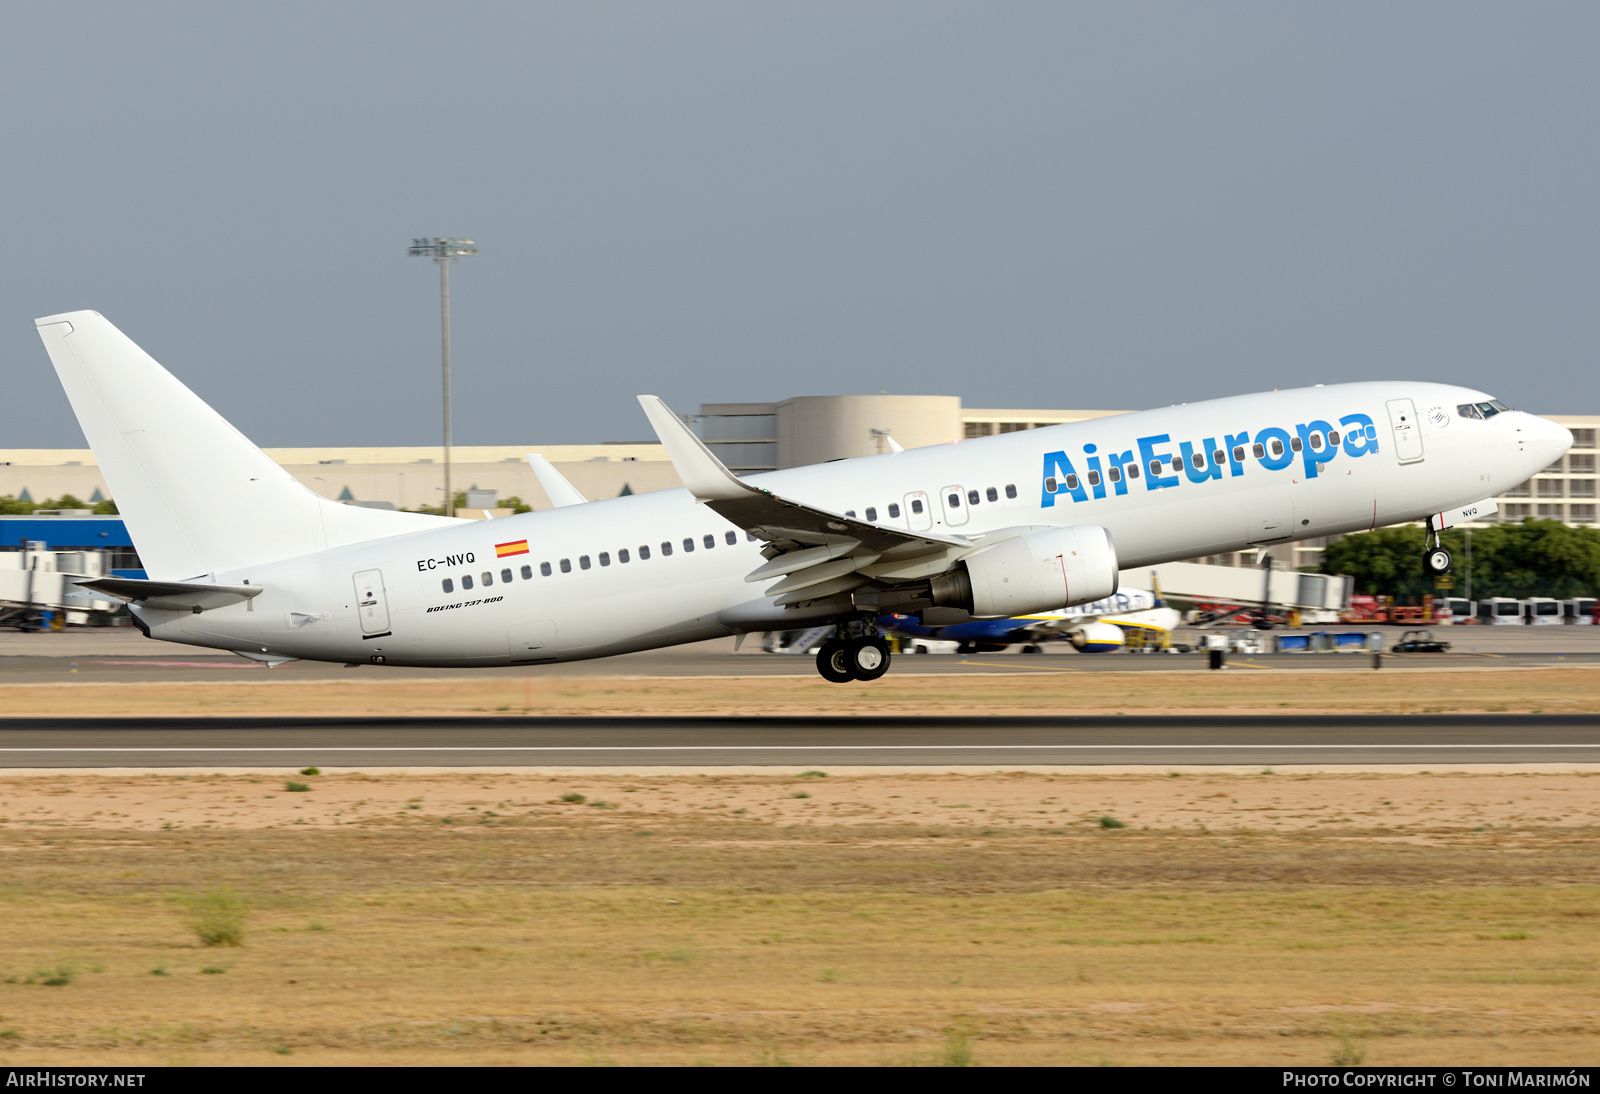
[1163, 465]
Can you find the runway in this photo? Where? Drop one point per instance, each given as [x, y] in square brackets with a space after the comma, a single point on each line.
[281, 742]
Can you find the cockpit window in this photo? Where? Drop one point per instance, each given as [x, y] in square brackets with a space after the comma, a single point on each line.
[1481, 410]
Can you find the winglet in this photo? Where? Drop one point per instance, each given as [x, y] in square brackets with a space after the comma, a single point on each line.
[704, 474]
[894, 445]
[556, 487]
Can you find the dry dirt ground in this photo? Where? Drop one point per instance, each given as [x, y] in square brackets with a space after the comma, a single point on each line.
[1041, 690]
[527, 917]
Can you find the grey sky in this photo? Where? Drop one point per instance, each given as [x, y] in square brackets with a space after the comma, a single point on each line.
[1113, 205]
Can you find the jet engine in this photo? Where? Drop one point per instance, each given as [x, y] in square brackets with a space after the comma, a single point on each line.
[1039, 572]
[1097, 637]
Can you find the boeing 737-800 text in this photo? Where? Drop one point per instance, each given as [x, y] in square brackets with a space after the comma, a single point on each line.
[242, 557]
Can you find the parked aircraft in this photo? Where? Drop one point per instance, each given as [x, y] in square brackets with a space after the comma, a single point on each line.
[1100, 627]
[241, 557]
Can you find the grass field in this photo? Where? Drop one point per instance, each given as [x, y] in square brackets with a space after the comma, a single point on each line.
[1040, 691]
[887, 919]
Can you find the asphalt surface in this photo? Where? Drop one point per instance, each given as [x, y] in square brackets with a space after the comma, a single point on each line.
[165, 662]
[809, 742]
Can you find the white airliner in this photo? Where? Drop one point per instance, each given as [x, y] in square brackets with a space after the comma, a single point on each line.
[241, 557]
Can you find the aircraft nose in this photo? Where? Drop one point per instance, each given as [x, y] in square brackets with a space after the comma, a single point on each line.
[1546, 439]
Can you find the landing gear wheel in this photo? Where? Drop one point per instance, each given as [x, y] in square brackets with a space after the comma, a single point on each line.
[868, 658]
[1032, 648]
[833, 662]
[1437, 561]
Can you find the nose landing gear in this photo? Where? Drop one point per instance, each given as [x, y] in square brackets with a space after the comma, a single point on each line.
[862, 657]
[1436, 560]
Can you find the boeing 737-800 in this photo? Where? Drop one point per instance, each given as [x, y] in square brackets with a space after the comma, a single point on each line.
[242, 557]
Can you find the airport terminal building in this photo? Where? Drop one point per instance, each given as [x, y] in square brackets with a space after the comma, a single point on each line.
[749, 438]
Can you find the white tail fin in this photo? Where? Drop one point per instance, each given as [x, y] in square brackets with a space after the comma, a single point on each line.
[198, 498]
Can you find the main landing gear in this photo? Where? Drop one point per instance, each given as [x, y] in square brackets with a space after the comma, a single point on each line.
[862, 657]
[1436, 560]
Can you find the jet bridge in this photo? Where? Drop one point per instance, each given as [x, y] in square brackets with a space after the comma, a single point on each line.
[1245, 586]
[34, 581]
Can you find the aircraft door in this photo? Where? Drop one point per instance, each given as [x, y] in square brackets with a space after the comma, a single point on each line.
[919, 517]
[1407, 437]
[955, 505]
[371, 604]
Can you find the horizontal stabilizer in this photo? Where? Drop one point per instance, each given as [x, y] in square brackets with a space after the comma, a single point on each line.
[172, 596]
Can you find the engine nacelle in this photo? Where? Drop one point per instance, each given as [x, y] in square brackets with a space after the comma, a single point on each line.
[1097, 637]
[1040, 572]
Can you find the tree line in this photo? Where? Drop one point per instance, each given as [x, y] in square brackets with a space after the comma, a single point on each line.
[12, 506]
[1530, 558]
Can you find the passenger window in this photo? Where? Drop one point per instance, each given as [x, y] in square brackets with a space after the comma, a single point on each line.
[1133, 471]
[666, 548]
[488, 579]
[505, 575]
[730, 538]
[527, 573]
[1094, 478]
[851, 513]
[449, 586]
[1333, 439]
[1259, 451]
[709, 542]
[872, 514]
[1238, 453]
[1277, 447]
[1198, 460]
[544, 568]
[1114, 473]
[466, 581]
[1072, 482]
[605, 558]
[1155, 468]
[954, 501]
[1177, 463]
[916, 505]
[1049, 488]
[1294, 443]
[894, 510]
[992, 494]
[1011, 490]
[583, 562]
[566, 565]
[751, 536]
[1218, 458]
[972, 497]
[644, 552]
[623, 556]
[1316, 442]
[688, 545]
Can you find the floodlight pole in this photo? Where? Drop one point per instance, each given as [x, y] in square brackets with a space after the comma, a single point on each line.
[444, 252]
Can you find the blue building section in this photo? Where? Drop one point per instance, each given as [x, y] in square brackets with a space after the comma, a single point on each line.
[93, 533]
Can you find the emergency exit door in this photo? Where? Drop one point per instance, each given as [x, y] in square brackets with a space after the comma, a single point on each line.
[371, 605]
[1407, 435]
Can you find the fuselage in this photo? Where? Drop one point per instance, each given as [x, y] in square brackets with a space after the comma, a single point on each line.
[659, 569]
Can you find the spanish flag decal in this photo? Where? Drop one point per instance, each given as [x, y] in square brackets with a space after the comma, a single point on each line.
[503, 550]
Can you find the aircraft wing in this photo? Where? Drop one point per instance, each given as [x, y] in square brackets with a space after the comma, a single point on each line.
[555, 484]
[817, 552]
